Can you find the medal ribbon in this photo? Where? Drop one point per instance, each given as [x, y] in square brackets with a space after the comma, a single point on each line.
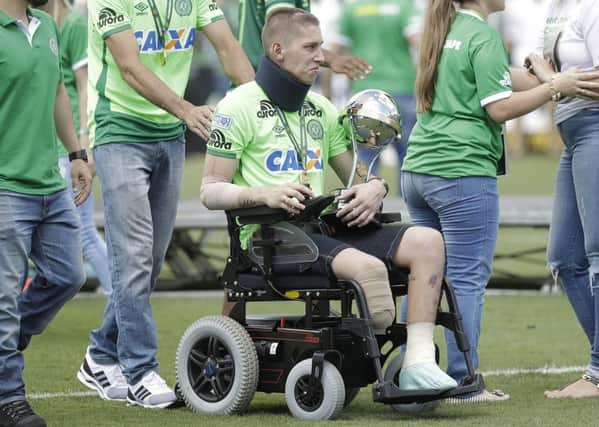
[301, 148]
[161, 28]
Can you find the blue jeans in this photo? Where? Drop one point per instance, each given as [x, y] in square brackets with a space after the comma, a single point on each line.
[573, 250]
[140, 187]
[45, 229]
[407, 108]
[94, 248]
[466, 211]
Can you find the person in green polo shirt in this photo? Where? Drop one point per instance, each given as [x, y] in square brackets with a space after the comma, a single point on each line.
[72, 40]
[394, 28]
[139, 61]
[253, 15]
[38, 219]
[464, 92]
[271, 144]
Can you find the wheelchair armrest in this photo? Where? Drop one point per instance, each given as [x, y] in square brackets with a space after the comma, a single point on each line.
[258, 215]
[266, 215]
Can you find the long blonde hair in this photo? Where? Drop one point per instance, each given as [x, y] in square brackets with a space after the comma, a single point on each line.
[439, 17]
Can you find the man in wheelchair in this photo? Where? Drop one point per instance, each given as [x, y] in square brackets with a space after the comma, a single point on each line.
[272, 141]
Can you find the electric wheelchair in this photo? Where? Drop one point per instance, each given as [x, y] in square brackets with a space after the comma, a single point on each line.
[319, 359]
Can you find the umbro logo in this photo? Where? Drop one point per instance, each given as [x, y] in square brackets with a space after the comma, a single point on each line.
[267, 109]
[141, 7]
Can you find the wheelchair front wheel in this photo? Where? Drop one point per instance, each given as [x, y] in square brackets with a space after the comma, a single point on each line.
[217, 366]
[323, 402]
[392, 373]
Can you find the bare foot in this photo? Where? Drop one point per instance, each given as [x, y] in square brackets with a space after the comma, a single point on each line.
[576, 390]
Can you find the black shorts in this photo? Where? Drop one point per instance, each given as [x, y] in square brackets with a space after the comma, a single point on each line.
[381, 243]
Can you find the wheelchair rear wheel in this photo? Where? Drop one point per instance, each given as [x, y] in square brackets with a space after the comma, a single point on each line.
[323, 402]
[217, 366]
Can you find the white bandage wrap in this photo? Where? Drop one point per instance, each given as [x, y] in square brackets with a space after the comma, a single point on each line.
[420, 347]
[375, 284]
[220, 195]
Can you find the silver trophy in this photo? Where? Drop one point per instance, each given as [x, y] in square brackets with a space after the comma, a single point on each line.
[372, 119]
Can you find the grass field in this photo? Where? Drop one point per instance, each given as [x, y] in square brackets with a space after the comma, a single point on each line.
[520, 332]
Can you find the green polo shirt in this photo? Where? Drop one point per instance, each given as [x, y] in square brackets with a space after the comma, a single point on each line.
[29, 77]
[457, 137]
[247, 127]
[385, 43]
[72, 39]
[117, 113]
[252, 17]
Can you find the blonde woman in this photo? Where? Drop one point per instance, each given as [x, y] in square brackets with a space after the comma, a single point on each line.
[465, 90]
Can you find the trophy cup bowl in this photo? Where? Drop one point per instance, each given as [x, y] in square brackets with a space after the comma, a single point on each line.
[372, 113]
[371, 119]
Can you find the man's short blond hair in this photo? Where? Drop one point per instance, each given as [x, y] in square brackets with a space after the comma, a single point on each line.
[283, 24]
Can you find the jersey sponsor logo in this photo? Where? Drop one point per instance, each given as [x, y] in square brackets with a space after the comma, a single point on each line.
[310, 110]
[217, 140]
[506, 80]
[183, 7]
[280, 161]
[108, 16]
[180, 39]
[453, 44]
[212, 6]
[266, 110]
[221, 120]
[315, 129]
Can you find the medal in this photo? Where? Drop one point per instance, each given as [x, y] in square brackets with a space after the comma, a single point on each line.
[304, 179]
[162, 28]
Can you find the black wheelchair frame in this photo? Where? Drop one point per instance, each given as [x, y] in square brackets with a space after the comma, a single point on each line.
[320, 334]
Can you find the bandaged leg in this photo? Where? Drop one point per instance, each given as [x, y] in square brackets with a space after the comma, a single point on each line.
[371, 274]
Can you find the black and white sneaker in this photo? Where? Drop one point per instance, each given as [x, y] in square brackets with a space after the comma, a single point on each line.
[151, 392]
[19, 414]
[107, 380]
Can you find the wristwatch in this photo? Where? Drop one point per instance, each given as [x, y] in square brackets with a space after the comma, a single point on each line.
[378, 178]
[79, 154]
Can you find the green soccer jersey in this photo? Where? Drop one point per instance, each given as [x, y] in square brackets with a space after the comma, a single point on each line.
[72, 39]
[117, 113]
[29, 78]
[378, 31]
[252, 16]
[457, 137]
[247, 127]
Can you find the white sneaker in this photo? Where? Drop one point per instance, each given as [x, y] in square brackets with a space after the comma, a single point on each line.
[107, 380]
[151, 392]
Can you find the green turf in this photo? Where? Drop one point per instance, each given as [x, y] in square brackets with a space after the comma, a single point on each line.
[519, 332]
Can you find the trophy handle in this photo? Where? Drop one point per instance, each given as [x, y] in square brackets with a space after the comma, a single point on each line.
[354, 144]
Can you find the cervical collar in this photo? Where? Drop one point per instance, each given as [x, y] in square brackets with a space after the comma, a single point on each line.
[281, 87]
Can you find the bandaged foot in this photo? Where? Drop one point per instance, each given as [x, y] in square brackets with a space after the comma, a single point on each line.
[425, 376]
[420, 370]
